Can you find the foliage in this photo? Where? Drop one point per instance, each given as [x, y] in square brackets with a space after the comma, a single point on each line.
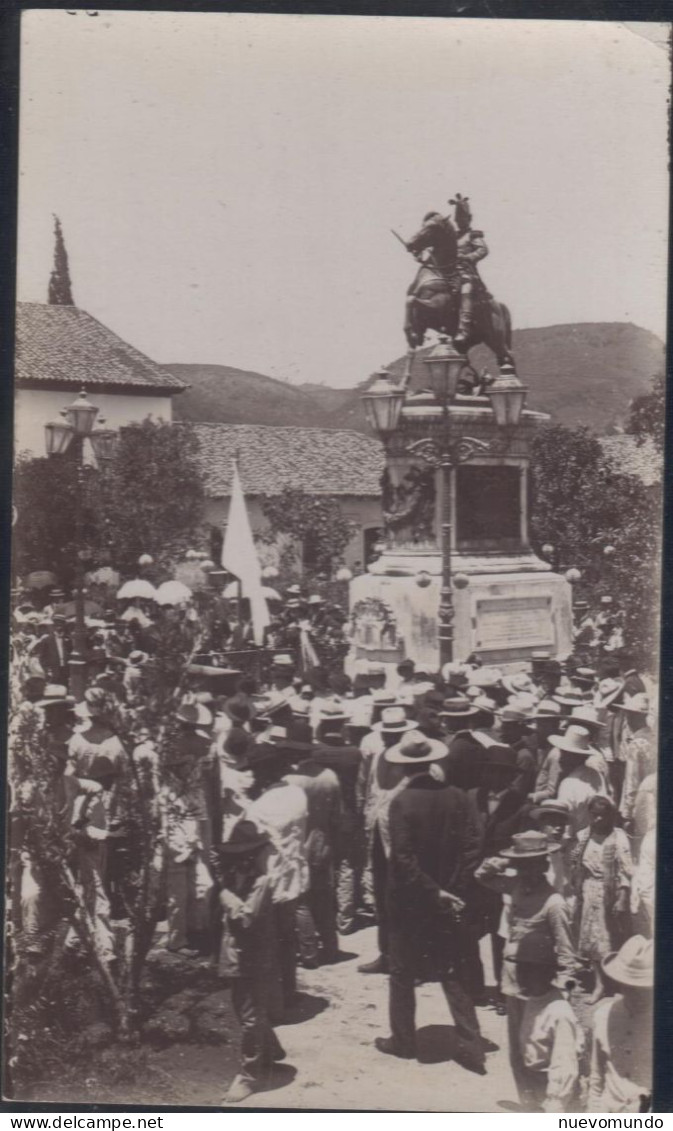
[45, 493]
[147, 499]
[152, 495]
[647, 416]
[315, 522]
[60, 287]
[580, 505]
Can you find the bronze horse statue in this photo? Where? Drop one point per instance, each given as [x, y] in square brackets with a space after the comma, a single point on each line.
[433, 299]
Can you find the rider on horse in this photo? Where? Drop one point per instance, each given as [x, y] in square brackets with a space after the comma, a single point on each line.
[471, 248]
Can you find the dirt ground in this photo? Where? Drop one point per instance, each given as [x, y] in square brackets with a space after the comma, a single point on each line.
[331, 1059]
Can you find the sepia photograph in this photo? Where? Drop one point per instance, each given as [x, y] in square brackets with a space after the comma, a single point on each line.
[339, 414]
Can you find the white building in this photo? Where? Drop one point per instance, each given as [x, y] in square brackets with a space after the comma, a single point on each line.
[61, 349]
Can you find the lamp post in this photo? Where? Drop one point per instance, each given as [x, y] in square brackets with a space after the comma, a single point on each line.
[75, 425]
[383, 405]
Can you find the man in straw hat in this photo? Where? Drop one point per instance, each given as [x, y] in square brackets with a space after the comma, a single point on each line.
[246, 950]
[378, 781]
[580, 780]
[281, 809]
[539, 921]
[432, 847]
[638, 749]
[620, 1078]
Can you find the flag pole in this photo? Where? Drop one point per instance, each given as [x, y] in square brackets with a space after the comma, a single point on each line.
[239, 598]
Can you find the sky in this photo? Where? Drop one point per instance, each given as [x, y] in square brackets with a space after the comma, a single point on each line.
[227, 183]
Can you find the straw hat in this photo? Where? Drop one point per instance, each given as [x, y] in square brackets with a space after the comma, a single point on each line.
[282, 660]
[638, 704]
[527, 846]
[458, 707]
[332, 713]
[394, 721]
[485, 677]
[485, 703]
[519, 682]
[517, 709]
[633, 965]
[53, 694]
[194, 714]
[383, 698]
[456, 674]
[575, 740]
[586, 716]
[551, 807]
[608, 690]
[570, 697]
[545, 709]
[415, 749]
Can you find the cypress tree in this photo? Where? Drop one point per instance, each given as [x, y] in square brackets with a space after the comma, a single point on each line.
[60, 287]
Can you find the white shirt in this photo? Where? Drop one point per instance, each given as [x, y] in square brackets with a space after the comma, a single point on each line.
[577, 789]
[281, 812]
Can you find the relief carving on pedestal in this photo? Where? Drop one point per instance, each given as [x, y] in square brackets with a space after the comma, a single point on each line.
[409, 506]
[373, 628]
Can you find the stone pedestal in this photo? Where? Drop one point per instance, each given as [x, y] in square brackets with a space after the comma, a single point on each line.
[508, 604]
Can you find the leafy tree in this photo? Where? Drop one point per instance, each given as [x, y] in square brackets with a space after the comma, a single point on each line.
[647, 414]
[151, 495]
[582, 504]
[45, 492]
[314, 523]
[60, 287]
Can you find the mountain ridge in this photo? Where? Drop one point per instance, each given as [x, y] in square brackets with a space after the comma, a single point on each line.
[580, 373]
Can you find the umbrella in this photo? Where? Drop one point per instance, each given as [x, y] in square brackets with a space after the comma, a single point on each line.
[91, 609]
[40, 579]
[172, 593]
[132, 590]
[231, 591]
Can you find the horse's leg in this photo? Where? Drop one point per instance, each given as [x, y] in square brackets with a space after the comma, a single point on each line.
[413, 328]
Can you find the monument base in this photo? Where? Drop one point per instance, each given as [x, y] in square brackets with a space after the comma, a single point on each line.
[512, 607]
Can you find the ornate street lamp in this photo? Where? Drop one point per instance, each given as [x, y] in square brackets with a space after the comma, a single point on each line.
[103, 441]
[383, 404]
[508, 397]
[75, 426]
[445, 364]
[58, 435]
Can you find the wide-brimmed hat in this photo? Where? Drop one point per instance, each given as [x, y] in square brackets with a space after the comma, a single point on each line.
[55, 694]
[485, 677]
[518, 709]
[633, 965]
[458, 707]
[456, 674]
[586, 716]
[518, 683]
[485, 703]
[570, 697]
[585, 676]
[194, 714]
[293, 589]
[638, 704]
[316, 599]
[551, 807]
[394, 721]
[384, 698]
[609, 689]
[527, 846]
[137, 658]
[276, 735]
[282, 660]
[574, 740]
[415, 748]
[545, 709]
[245, 837]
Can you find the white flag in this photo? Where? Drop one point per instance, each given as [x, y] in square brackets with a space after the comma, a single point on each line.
[239, 557]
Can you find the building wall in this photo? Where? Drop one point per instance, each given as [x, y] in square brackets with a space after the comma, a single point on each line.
[364, 513]
[33, 408]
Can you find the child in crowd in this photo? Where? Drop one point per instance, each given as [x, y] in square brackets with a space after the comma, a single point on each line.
[246, 950]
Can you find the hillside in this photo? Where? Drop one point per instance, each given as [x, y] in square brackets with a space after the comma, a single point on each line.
[582, 373]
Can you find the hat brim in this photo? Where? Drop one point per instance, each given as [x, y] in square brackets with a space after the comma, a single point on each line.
[615, 970]
[539, 811]
[559, 741]
[511, 854]
[471, 711]
[402, 728]
[66, 701]
[438, 750]
[632, 710]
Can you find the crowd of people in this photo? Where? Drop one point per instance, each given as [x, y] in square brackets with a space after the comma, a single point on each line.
[457, 810]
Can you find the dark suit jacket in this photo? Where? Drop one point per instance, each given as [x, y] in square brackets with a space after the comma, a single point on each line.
[495, 832]
[434, 847]
[55, 665]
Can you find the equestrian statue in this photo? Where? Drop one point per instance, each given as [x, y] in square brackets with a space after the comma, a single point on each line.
[448, 294]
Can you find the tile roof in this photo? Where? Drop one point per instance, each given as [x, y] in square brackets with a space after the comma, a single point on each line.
[641, 460]
[320, 460]
[62, 345]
